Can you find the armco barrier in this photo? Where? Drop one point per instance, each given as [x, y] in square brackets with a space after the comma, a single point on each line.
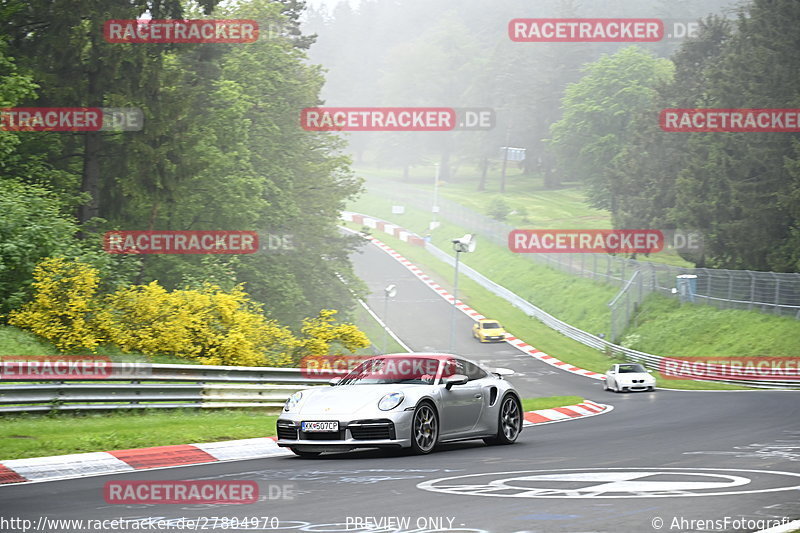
[650, 360]
[157, 386]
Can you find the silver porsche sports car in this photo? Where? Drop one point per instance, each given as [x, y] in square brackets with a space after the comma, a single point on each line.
[411, 401]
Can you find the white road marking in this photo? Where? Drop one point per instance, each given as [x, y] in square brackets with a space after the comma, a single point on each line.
[613, 483]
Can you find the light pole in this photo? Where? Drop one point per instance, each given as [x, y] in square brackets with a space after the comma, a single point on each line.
[464, 244]
[435, 209]
[389, 292]
[505, 159]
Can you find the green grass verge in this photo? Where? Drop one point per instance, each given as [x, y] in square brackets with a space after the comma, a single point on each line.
[736, 332]
[517, 322]
[15, 341]
[41, 435]
[534, 404]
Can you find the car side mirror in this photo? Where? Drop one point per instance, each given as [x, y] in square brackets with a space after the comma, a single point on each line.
[335, 381]
[455, 379]
[610, 372]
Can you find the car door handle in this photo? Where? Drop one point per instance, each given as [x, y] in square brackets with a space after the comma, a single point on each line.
[478, 396]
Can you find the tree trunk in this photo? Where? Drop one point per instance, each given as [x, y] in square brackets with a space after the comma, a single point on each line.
[92, 144]
[484, 170]
[552, 180]
[444, 165]
[503, 172]
[91, 176]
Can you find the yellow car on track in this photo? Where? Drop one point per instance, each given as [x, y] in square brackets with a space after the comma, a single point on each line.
[488, 330]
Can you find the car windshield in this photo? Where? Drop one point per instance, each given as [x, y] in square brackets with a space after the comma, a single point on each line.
[491, 325]
[630, 369]
[390, 370]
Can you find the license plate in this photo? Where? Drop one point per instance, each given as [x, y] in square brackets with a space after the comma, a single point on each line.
[319, 426]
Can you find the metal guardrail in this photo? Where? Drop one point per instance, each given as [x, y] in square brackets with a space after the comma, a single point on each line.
[157, 386]
[593, 341]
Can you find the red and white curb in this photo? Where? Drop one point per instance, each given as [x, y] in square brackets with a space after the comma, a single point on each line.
[121, 461]
[394, 230]
[40, 469]
[550, 360]
[569, 412]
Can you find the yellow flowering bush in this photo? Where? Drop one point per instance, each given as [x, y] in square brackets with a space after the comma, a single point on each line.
[207, 325]
[320, 332]
[63, 308]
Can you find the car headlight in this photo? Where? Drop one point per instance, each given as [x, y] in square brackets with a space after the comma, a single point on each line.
[293, 401]
[390, 401]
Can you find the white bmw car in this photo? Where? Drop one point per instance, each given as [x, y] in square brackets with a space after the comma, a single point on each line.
[629, 377]
[413, 401]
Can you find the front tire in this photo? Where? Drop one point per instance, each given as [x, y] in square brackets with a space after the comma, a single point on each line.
[424, 429]
[509, 423]
[305, 454]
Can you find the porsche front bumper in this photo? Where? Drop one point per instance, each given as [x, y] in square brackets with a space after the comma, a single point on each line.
[386, 430]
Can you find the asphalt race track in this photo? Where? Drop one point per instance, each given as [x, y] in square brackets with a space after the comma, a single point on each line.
[654, 463]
